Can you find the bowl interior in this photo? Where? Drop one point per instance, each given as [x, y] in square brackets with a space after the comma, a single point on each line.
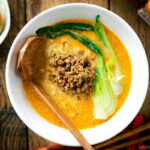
[136, 95]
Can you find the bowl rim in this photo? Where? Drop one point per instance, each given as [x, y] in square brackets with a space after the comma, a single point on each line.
[70, 5]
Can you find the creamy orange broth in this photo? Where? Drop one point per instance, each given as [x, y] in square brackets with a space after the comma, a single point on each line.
[80, 112]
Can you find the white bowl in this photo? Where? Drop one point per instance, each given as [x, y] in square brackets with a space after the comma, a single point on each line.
[5, 12]
[133, 102]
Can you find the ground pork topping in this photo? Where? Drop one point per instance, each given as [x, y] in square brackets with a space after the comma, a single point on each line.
[74, 73]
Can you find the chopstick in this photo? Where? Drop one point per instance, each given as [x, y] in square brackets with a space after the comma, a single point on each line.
[125, 135]
[123, 145]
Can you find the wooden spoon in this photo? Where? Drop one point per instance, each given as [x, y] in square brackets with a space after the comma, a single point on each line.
[25, 69]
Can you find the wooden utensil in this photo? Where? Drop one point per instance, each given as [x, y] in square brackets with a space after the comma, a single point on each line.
[25, 69]
[123, 136]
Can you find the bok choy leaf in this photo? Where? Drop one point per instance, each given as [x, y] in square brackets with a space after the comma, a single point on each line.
[112, 65]
[60, 27]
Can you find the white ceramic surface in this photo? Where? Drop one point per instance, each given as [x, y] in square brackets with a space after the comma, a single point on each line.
[5, 13]
[136, 95]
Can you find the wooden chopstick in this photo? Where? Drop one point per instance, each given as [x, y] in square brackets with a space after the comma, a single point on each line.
[61, 115]
[123, 145]
[123, 136]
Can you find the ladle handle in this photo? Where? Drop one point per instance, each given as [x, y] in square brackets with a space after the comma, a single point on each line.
[61, 115]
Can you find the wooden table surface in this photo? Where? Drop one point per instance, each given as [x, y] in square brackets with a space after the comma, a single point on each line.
[14, 135]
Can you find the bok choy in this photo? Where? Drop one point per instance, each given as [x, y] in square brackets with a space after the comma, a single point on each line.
[103, 96]
[112, 65]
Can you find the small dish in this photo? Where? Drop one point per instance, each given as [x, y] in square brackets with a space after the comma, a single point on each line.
[5, 14]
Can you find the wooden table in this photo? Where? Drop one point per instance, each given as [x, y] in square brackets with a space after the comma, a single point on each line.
[14, 135]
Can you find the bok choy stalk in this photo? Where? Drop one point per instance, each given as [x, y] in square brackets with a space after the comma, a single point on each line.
[103, 96]
[112, 65]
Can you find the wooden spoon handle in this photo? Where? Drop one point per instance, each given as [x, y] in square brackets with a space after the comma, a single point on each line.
[61, 115]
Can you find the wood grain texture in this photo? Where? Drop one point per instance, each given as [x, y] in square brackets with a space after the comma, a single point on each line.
[34, 7]
[144, 34]
[127, 9]
[13, 133]
[36, 141]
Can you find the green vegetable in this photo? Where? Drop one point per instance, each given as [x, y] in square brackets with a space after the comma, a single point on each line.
[78, 36]
[112, 66]
[103, 97]
[60, 27]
